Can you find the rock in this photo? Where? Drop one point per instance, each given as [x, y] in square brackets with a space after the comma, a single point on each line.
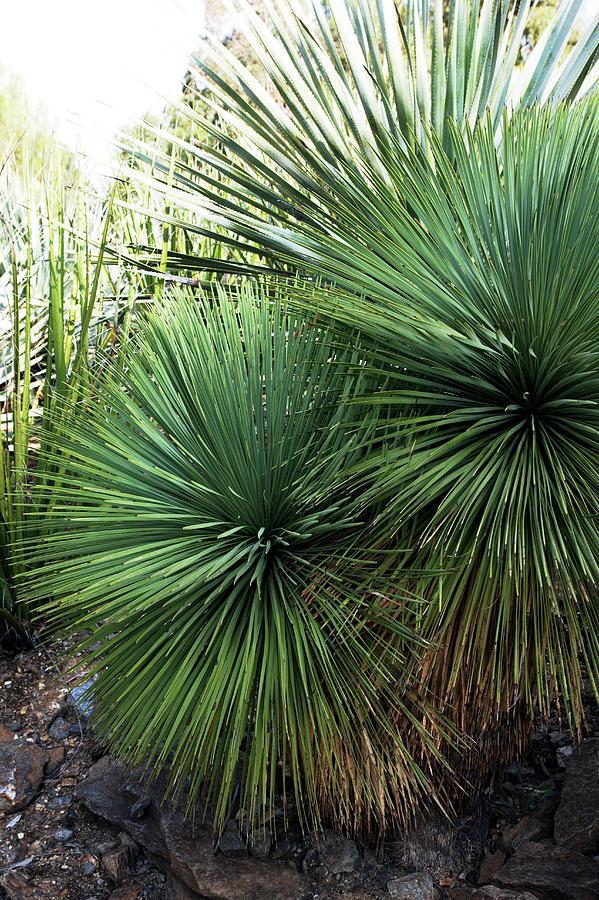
[56, 757]
[441, 845]
[490, 865]
[177, 890]
[61, 801]
[564, 755]
[81, 700]
[231, 843]
[339, 854]
[518, 771]
[21, 772]
[526, 830]
[106, 847]
[355, 895]
[576, 822]
[260, 847]
[548, 871]
[419, 886]
[59, 729]
[116, 864]
[19, 887]
[495, 893]
[6, 734]
[282, 848]
[110, 792]
[63, 834]
[127, 892]
[487, 892]
[88, 864]
[140, 807]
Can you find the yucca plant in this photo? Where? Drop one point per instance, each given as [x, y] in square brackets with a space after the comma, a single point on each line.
[470, 268]
[491, 365]
[239, 628]
[501, 467]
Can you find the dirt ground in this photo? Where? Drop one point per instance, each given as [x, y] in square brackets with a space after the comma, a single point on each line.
[54, 848]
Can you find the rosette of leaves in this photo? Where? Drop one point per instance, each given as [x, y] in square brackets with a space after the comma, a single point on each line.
[494, 468]
[239, 628]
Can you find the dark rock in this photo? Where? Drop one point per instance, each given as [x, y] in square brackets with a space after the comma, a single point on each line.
[177, 890]
[63, 834]
[260, 846]
[18, 887]
[140, 807]
[339, 854]
[62, 801]
[282, 849]
[60, 729]
[564, 755]
[441, 845]
[110, 792]
[127, 892]
[550, 872]
[230, 841]
[88, 864]
[419, 886]
[546, 810]
[21, 772]
[518, 771]
[56, 757]
[106, 847]
[526, 830]
[487, 892]
[577, 818]
[355, 895]
[116, 864]
[490, 865]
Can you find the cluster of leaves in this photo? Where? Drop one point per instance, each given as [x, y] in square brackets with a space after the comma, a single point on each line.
[59, 303]
[202, 531]
[299, 539]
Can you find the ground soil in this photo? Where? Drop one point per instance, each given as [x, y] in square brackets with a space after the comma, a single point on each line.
[35, 842]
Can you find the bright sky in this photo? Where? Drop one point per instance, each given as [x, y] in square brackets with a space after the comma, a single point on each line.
[97, 66]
